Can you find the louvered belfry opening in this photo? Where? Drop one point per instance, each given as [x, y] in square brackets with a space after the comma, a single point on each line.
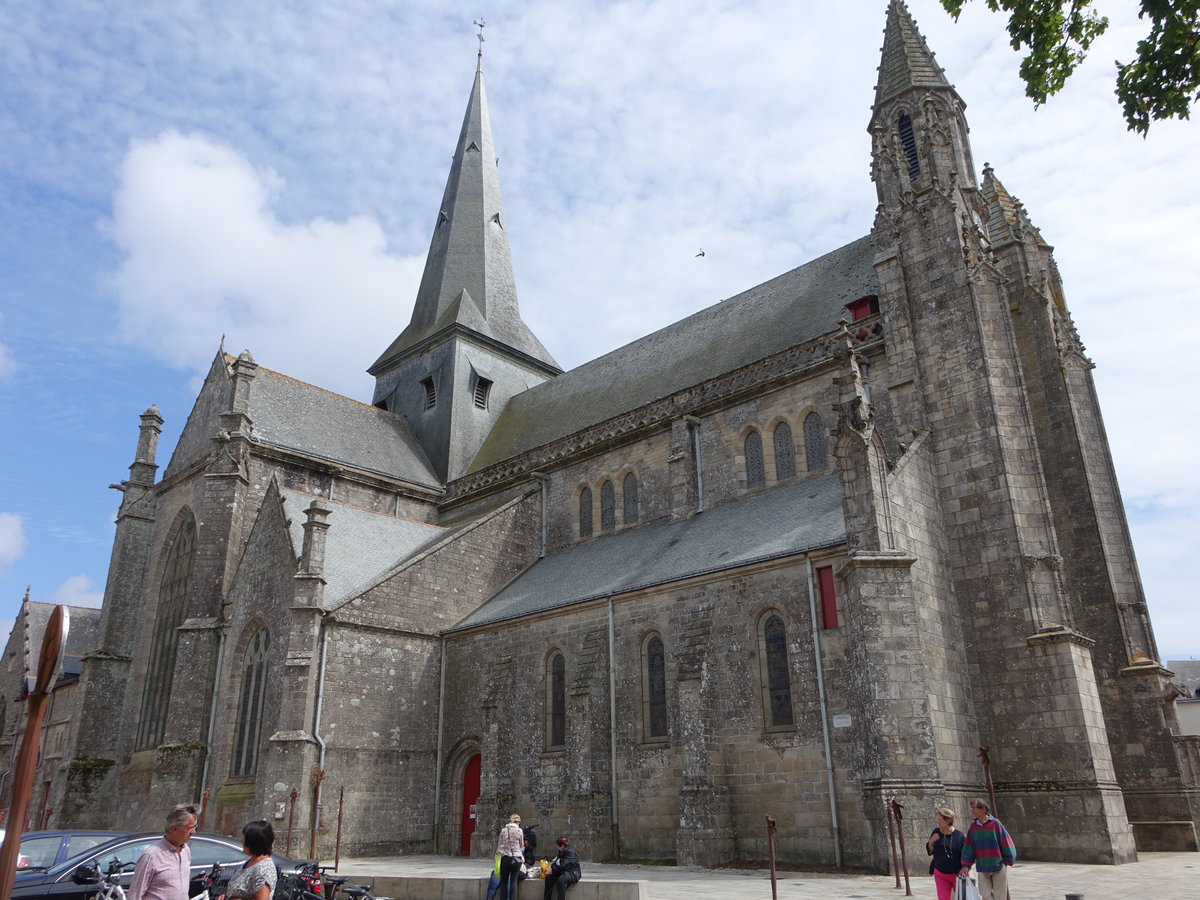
[909, 140]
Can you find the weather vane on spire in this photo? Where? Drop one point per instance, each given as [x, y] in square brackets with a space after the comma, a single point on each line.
[480, 23]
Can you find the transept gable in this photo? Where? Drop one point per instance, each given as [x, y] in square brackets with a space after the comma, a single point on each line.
[204, 421]
[270, 542]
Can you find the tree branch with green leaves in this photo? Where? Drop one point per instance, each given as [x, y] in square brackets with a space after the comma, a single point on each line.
[1162, 82]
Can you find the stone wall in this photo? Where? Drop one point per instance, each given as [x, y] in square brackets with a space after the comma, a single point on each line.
[701, 793]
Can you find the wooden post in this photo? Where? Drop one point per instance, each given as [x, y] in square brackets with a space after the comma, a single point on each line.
[887, 805]
[771, 851]
[291, 818]
[318, 777]
[987, 771]
[49, 659]
[899, 812]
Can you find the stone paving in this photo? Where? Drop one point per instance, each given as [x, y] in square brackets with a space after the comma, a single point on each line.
[1156, 876]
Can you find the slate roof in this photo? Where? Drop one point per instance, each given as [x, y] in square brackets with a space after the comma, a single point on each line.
[468, 277]
[360, 544]
[83, 636]
[298, 416]
[792, 308]
[83, 628]
[782, 522]
[907, 61]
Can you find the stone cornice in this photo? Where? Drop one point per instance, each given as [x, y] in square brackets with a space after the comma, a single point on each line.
[1053, 633]
[825, 351]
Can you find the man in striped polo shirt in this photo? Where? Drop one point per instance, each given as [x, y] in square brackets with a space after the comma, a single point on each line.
[990, 847]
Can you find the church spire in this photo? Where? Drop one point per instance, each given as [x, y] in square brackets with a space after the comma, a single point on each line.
[468, 280]
[907, 61]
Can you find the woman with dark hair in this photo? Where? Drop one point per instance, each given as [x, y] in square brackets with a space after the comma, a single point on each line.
[564, 870]
[255, 880]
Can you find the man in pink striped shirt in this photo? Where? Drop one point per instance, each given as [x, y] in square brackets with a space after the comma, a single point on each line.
[164, 870]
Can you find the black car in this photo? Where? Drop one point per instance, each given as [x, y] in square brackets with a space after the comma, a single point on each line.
[75, 878]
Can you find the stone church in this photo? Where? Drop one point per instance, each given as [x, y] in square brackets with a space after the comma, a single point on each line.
[804, 551]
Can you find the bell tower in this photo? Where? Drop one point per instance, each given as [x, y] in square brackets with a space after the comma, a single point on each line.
[957, 390]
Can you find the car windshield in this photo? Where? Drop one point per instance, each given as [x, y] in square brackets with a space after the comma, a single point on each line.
[124, 851]
[77, 845]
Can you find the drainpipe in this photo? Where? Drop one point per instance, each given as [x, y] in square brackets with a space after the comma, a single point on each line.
[212, 710]
[316, 819]
[816, 635]
[695, 427]
[437, 759]
[612, 732]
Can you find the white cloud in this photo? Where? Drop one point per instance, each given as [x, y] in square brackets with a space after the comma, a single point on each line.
[12, 539]
[79, 590]
[206, 254]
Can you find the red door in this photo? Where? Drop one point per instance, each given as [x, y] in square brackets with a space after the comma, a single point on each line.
[470, 796]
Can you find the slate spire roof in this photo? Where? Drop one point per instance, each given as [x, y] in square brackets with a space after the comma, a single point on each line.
[468, 279]
[1007, 218]
[907, 61]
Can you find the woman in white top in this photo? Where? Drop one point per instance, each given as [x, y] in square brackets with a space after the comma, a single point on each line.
[511, 847]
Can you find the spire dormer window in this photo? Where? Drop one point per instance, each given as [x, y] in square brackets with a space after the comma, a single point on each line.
[908, 139]
[430, 388]
[483, 389]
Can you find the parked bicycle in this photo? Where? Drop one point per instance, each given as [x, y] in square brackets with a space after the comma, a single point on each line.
[109, 888]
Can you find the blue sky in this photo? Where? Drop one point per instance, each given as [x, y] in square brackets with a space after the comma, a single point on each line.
[271, 171]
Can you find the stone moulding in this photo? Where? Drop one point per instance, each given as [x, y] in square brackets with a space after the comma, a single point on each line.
[785, 365]
[1143, 665]
[1055, 787]
[1053, 633]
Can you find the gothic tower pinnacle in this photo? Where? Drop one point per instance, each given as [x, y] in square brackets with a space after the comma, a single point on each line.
[918, 120]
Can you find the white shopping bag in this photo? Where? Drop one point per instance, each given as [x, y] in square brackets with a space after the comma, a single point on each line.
[965, 889]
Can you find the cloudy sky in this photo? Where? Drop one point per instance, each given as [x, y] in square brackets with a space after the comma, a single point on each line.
[271, 172]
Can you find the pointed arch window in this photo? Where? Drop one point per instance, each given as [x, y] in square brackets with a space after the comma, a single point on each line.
[556, 702]
[585, 512]
[816, 456]
[756, 475]
[608, 506]
[172, 605]
[654, 689]
[248, 733]
[629, 495]
[908, 140]
[785, 452]
[776, 675]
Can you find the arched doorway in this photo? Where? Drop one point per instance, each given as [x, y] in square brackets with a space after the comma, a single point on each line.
[470, 796]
